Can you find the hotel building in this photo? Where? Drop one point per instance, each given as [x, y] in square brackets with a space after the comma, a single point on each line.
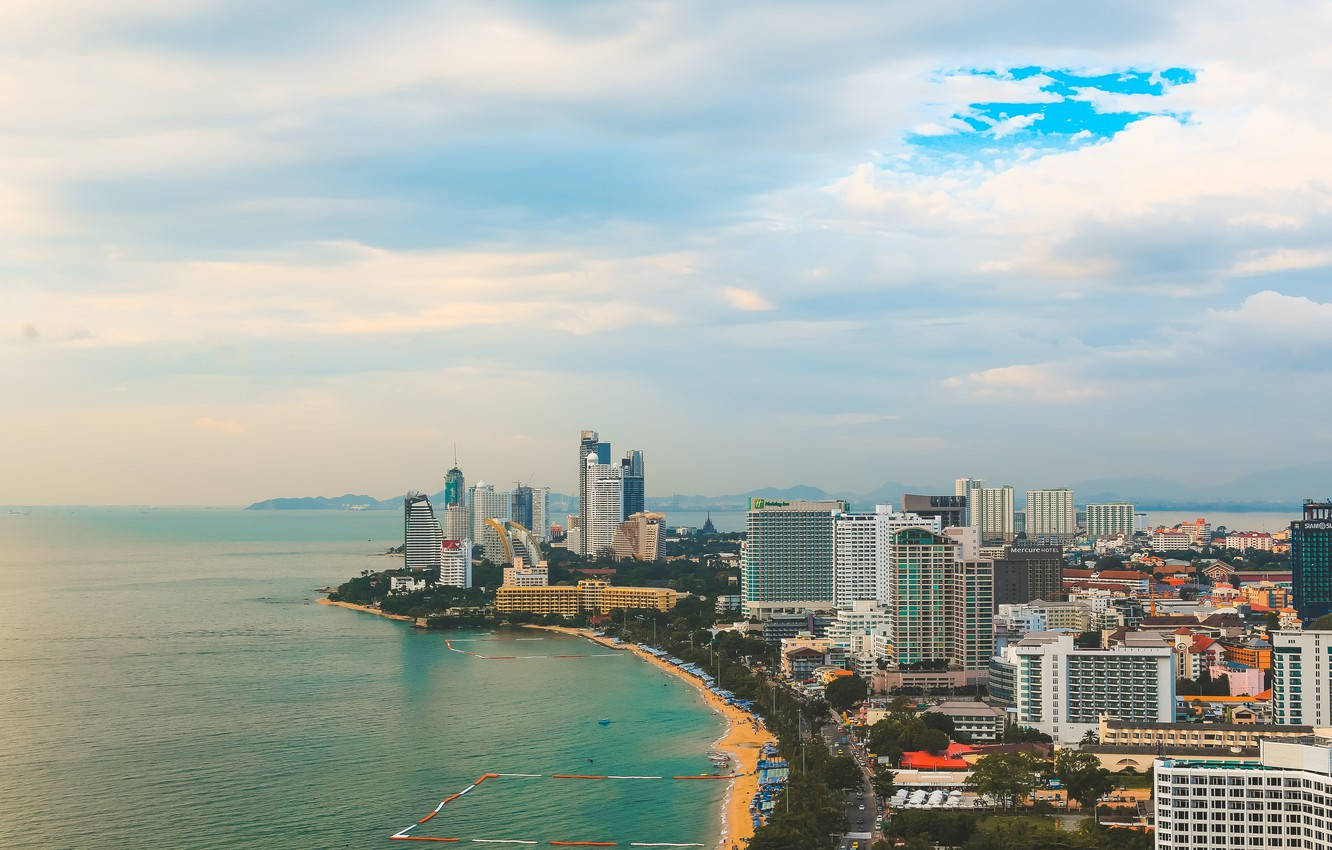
[1311, 560]
[1063, 689]
[590, 596]
[421, 534]
[787, 558]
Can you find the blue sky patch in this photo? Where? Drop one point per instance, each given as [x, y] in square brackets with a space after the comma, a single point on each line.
[984, 130]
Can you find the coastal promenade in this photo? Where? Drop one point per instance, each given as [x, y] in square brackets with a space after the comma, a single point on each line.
[743, 741]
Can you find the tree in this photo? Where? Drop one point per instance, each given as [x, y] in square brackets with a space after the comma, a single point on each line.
[1082, 775]
[843, 773]
[1025, 735]
[884, 782]
[1004, 778]
[942, 722]
[934, 741]
[1091, 738]
[845, 691]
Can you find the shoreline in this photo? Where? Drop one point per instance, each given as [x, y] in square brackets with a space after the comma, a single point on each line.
[743, 740]
[367, 610]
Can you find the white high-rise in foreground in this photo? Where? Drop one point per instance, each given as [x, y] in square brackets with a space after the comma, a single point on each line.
[605, 504]
[1285, 800]
[856, 558]
[1110, 520]
[422, 536]
[455, 568]
[1302, 678]
[1062, 689]
[1050, 513]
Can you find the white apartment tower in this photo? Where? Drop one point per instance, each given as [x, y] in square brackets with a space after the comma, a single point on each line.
[488, 503]
[1050, 514]
[1302, 678]
[991, 510]
[455, 568]
[856, 558]
[605, 504]
[1110, 520]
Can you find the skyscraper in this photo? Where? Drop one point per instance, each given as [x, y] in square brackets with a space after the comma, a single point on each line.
[604, 510]
[786, 561]
[1311, 560]
[521, 512]
[541, 514]
[589, 443]
[454, 487]
[422, 536]
[970, 612]
[919, 564]
[457, 519]
[1050, 514]
[631, 472]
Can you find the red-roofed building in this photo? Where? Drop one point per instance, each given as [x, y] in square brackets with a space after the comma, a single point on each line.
[1196, 653]
[951, 759]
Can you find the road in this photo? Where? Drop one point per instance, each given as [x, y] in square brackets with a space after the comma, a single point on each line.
[862, 807]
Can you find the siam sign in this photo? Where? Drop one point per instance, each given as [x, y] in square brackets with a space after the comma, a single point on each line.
[1319, 525]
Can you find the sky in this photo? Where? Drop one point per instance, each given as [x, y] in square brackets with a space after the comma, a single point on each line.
[252, 250]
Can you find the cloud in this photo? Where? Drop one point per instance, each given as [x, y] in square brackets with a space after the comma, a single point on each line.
[1024, 382]
[230, 427]
[747, 299]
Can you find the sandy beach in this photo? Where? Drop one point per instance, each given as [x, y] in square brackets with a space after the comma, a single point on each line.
[367, 609]
[743, 740]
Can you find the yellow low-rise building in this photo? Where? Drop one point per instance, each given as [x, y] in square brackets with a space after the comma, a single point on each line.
[590, 596]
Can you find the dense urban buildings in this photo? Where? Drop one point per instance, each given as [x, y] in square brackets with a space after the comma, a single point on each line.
[786, 562]
[1110, 520]
[1311, 560]
[1062, 689]
[1285, 800]
[1051, 514]
[1302, 677]
[422, 536]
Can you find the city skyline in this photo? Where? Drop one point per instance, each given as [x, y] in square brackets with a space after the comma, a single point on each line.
[951, 238]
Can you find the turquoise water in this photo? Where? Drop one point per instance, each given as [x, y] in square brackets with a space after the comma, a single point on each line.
[166, 680]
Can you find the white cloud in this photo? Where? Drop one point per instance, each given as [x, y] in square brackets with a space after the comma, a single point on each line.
[747, 299]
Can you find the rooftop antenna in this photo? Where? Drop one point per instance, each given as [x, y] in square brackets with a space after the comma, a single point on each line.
[455, 453]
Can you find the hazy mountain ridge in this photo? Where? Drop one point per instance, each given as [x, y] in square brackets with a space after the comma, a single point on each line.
[1268, 490]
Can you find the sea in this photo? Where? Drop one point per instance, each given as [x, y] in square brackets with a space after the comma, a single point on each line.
[168, 680]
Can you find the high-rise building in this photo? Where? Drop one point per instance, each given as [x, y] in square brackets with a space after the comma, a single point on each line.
[589, 443]
[604, 509]
[970, 612]
[991, 510]
[454, 487]
[1311, 560]
[1029, 569]
[855, 558]
[786, 560]
[1284, 800]
[490, 504]
[521, 509]
[1051, 514]
[455, 568]
[1063, 689]
[962, 488]
[640, 536]
[421, 534]
[919, 565]
[541, 514]
[1110, 520]
[889, 523]
[1141, 525]
[1302, 677]
[631, 472]
[950, 510]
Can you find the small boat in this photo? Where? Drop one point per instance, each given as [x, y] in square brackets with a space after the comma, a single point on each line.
[605, 721]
